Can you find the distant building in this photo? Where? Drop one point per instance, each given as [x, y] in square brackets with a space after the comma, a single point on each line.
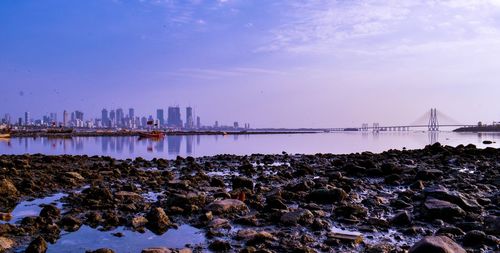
[236, 124]
[216, 125]
[174, 117]
[120, 117]
[78, 115]
[65, 118]
[160, 117]
[144, 122]
[112, 118]
[198, 122]
[26, 118]
[104, 118]
[131, 113]
[189, 118]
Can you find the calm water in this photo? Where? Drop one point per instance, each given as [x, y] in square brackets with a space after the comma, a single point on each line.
[206, 145]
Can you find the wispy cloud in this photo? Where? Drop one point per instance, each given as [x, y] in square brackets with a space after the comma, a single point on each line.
[367, 26]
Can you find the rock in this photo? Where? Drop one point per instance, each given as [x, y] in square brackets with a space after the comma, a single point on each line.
[156, 250]
[219, 223]
[441, 193]
[301, 216]
[327, 196]
[39, 245]
[139, 221]
[242, 182]
[474, 237]
[347, 236]
[5, 243]
[70, 223]
[429, 174]
[127, 196]
[75, 175]
[487, 142]
[351, 210]
[5, 216]
[440, 209]
[402, 218]
[50, 211]
[102, 250]
[454, 231]
[227, 206]
[7, 188]
[219, 245]
[158, 221]
[275, 203]
[436, 244]
[492, 224]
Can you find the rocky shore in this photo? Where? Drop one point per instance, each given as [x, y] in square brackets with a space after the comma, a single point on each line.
[437, 199]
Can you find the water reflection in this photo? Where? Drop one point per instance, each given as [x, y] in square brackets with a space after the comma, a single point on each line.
[172, 146]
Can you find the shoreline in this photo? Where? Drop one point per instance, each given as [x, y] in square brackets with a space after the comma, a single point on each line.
[137, 133]
[366, 202]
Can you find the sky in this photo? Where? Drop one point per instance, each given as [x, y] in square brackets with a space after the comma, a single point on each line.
[281, 63]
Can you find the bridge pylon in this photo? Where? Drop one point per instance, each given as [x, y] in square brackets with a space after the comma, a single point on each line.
[433, 121]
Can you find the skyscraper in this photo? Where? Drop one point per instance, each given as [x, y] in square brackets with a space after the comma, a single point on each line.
[65, 118]
[26, 118]
[131, 113]
[160, 117]
[78, 115]
[104, 118]
[198, 122]
[119, 117]
[189, 118]
[174, 117]
[112, 118]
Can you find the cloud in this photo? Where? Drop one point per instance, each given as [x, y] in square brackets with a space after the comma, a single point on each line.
[370, 26]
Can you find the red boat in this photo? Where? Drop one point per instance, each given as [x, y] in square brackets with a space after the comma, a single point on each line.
[152, 134]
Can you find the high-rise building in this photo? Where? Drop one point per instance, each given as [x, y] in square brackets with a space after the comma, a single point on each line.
[160, 117]
[198, 122]
[26, 118]
[216, 125]
[131, 113]
[65, 118]
[53, 118]
[112, 118]
[120, 117]
[7, 119]
[189, 118]
[144, 122]
[236, 124]
[104, 118]
[78, 115]
[174, 117]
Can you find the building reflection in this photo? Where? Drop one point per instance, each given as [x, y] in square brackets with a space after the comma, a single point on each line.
[174, 144]
[433, 137]
[189, 144]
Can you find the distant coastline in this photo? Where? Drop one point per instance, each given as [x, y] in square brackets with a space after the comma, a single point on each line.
[475, 129]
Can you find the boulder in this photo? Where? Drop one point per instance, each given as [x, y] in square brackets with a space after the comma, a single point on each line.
[70, 223]
[5, 244]
[126, 196]
[301, 216]
[227, 206]
[327, 196]
[219, 245]
[457, 198]
[440, 209]
[436, 244]
[401, 218]
[50, 212]
[39, 245]
[158, 221]
[102, 250]
[242, 182]
[7, 189]
[75, 175]
[139, 221]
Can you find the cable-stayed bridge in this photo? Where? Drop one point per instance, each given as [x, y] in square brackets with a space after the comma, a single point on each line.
[431, 121]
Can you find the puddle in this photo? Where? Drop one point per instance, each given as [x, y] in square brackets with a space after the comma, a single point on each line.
[223, 173]
[152, 196]
[87, 238]
[32, 208]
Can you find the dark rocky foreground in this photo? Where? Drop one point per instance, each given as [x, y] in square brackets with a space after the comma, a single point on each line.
[438, 199]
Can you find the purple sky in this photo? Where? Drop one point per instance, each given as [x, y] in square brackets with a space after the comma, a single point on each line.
[281, 63]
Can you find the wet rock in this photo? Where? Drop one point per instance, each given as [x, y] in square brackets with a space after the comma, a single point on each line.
[125, 196]
[7, 188]
[227, 206]
[428, 174]
[6, 244]
[492, 224]
[351, 210]
[440, 209]
[39, 245]
[436, 244]
[301, 216]
[242, 182]
[478, 238]
[102, 250]
[275, 203]
[440, 192]
[327, 196]
[158, 221]
[156, 250]
[75, 175]
[139, 221]
[5, 216]
[453, 231]
[402, 218]
[50, 212]
[70, 223]
[219, 245]
[219, 223]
